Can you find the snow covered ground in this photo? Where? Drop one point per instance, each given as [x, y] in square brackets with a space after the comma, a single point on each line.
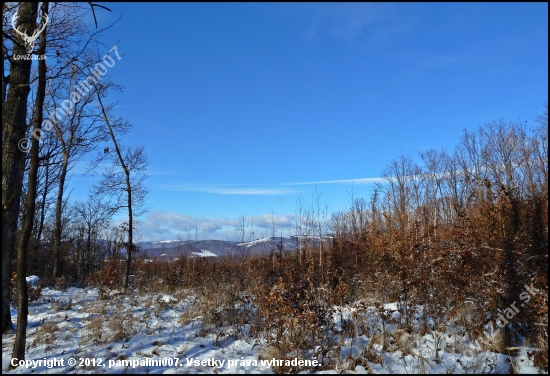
[32, 279]
[93, 331]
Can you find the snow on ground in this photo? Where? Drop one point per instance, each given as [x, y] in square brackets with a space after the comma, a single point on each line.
[76, 324]
[32, 279]
[101, 331]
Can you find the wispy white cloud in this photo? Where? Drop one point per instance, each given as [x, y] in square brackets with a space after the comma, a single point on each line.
[249, 191]
[225, 190]
[341, 181]
[272, 190]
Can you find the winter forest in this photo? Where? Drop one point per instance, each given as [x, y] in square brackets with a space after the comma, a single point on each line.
[442, 268]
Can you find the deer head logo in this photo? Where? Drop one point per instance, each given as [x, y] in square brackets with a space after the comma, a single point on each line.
[29, 40]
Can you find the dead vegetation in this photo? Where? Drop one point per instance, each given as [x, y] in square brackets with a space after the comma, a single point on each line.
[454, 242]
[460, 243]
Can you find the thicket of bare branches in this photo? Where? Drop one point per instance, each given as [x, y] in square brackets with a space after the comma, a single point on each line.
[50, 124]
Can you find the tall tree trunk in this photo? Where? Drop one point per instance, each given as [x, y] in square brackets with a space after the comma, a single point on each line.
[130, 234]
[5, 79]
[28, 219]
[43, 206]
[58, 211]
[130, 245]
[13, 159]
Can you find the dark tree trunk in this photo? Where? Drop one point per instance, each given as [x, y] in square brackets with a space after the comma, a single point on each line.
[43, 206]
[58, 211]
[130, 244]
[13, 159]
[130, 233]
[28, 219]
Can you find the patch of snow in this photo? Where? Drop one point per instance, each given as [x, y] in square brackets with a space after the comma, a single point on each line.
[167, 298]
[32, 279]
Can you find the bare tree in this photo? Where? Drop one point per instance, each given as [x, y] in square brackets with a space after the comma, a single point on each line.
[124, 180]
[194, 235]
[48, 179]
[540, 140]
[320, 222]
[401, 175]
[72, 49]
[243, 235]
[78, 133]
[274, 256]
[113, 237]
[434, 176]
[93, 215]
[299, 228]
[13, 129]
[28, 219]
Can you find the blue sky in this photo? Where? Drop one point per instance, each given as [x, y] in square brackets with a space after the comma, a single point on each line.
[239, 104]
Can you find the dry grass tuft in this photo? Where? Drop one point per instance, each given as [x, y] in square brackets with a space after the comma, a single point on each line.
[46, 334]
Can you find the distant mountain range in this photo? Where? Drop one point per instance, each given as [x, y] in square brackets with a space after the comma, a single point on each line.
[169, 249]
